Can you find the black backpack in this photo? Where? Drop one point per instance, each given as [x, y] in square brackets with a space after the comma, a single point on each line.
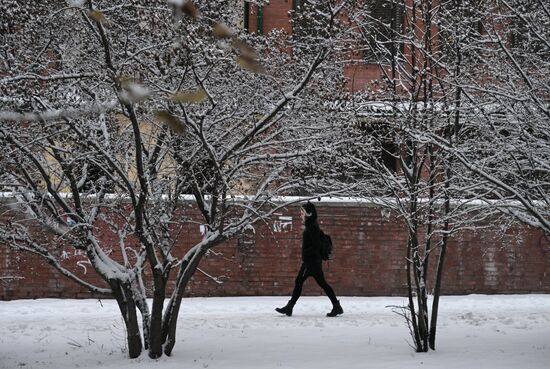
[326, 246]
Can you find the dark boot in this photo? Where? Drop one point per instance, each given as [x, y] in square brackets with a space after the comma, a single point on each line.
[336, 310]
[287, 310]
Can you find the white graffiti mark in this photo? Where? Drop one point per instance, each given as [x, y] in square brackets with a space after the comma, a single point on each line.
[250, 228]
[283, 224]
[248, 235]
[77, 254]
[82, 264]
[68, 254]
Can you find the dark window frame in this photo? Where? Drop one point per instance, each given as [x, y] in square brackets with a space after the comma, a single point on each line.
[390, 12]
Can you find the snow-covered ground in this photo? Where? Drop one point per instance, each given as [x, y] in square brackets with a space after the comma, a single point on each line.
[475, 331]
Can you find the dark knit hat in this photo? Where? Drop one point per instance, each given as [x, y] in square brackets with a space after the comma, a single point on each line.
[311, 212]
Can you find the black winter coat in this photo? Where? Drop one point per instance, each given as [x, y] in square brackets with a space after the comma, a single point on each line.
[311, 242]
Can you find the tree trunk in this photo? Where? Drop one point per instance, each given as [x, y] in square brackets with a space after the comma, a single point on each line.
[416, 336]
[133, 332]
[127, 308]
[441, 260]
[421, 323]
[171, 315]
[155, 328]
[437, 293]
[145, 320]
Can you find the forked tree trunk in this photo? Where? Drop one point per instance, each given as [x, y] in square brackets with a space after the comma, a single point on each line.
[170, 322]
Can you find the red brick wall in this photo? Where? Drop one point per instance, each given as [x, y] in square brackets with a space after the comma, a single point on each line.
[368, 260]
[361, 77]
[276, 16]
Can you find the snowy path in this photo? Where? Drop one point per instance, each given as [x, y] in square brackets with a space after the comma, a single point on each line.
[475, 331]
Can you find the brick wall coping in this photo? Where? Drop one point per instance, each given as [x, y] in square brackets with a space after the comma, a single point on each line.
[345, 201]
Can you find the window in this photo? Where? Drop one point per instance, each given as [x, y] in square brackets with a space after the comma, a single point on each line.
[388, 155]
[309, 19]
[461, 29]
[523, 37]
[381, 30]
[383, 148]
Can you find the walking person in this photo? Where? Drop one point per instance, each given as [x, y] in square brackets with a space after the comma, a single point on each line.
[311, 263]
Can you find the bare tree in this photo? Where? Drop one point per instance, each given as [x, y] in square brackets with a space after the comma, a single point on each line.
[117, 112]
[451, 137]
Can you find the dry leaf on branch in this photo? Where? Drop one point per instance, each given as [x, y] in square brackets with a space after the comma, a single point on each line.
[220, 30]
[250, 64]
[190, 9]
[97, 16]
[171, 121]
[186, 7]
[193, 97]
[248, 57]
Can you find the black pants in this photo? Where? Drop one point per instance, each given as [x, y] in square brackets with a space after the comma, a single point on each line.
[314, 270]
